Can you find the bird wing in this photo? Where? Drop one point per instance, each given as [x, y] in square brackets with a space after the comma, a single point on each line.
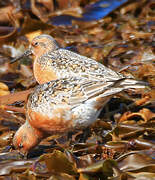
[73, 62]
[85, 89]
[72, 91]
[88, 89]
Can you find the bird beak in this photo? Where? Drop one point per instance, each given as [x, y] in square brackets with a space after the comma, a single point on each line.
[23, 155]
[25, 54]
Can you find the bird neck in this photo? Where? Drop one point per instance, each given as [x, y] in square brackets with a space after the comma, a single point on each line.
[43, 73]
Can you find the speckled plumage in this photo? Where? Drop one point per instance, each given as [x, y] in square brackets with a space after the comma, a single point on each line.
[61, 63]
[65, 63]
[52, 62]
[63, 105]
[73, 100]
[74, 94]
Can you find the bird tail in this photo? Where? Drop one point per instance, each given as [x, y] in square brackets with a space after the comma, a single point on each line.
[123, 84]
[129, 83]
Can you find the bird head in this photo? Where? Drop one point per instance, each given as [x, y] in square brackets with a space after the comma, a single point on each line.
[39, 45]
[26, 138]
[42, 44]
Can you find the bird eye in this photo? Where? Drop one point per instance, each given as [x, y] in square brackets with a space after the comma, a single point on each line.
[36, 44]
[20, 146]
